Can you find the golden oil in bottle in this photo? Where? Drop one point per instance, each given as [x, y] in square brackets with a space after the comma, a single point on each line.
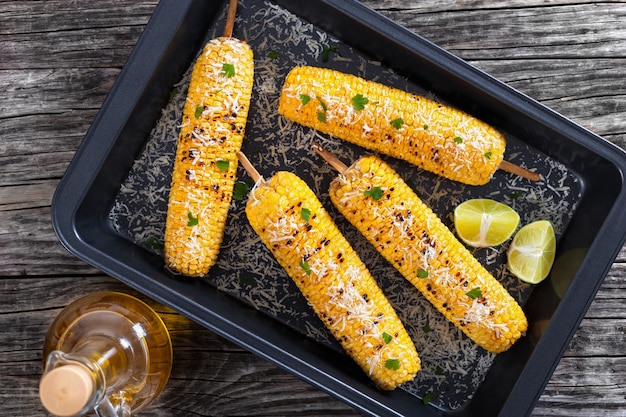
[107, 352]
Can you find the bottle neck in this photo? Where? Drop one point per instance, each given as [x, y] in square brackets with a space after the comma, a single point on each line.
[74, 385]
[70, 385]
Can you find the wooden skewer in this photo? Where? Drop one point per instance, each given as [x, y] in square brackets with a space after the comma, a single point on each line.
[330, 158]
[518, 170]
[245, 162]
[230, 19]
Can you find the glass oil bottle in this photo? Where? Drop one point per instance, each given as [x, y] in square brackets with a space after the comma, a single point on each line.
[107, 353]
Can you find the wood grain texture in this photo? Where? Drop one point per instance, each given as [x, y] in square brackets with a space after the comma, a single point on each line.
[59, 60]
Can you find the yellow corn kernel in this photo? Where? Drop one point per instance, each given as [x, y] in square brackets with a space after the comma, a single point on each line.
[305, 241]
[437, 138]
[203, 177]
[373, 197]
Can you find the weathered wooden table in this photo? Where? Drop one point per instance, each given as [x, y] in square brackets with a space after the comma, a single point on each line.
[58, 60]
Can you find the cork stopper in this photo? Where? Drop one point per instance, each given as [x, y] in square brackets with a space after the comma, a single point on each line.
[66, 390]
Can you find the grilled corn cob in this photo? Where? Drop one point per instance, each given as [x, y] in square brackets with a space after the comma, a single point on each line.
[211, 133]
[292, 223]
[437, 138]
[373, 197]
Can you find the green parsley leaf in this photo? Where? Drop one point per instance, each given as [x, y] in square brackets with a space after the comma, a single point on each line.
[305, 99]
[516, 195]
[322, 104]
[321, 115]
[488, 154]
[427, 397]
[426, 328]
[387, 337]
[173, 92]
[152, 243]
[392, 364]
[193, 221]
[438, 370]
[422, 273]
[425, 127]
[359, 101]
[240, 190]
[376, 193]
[307, 268]
[327, 50]
[458, 140]
[228, 70]
[199, 111]
[273, 54]
[249, 281]
[305, 213]
[474, 293]
[397, 123]
[223, 164]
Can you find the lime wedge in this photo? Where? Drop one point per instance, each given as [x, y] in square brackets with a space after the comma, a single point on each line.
[531, 254]
[482, 222]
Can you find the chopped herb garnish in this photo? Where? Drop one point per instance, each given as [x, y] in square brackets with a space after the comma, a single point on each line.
[307, 268]
[322, 104]
[240, 190]
[426, 328]
[173, 92]
[327, 50]
[474, 293]
[199, 111]
[359, 101]
[321, 115]
[228, 70]
[387, 337]
[152, 243]
[223, 164]
[397, 123]
[427, 397]
[305, 99]
[516, 195]
[488, 154]
[247, 281]
[193, 221]
[273, 54]
[392, 364]
[375, 192]
[422, 273]
[458, 140]
[438, 370]
[305, 213]
[425, 127]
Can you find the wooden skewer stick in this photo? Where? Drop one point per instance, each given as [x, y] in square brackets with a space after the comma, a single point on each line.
[245, 162]
[330, 158]
[518, 170]
[230, 19]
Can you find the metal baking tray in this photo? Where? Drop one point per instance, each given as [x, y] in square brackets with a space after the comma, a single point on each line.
[109, 208]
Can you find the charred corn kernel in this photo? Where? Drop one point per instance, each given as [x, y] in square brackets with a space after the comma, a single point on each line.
[412, 238]
[305, 241]
[211, 133]
[437, 138]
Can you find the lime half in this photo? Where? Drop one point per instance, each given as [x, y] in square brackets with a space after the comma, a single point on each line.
[531, 254]
[482, 222]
